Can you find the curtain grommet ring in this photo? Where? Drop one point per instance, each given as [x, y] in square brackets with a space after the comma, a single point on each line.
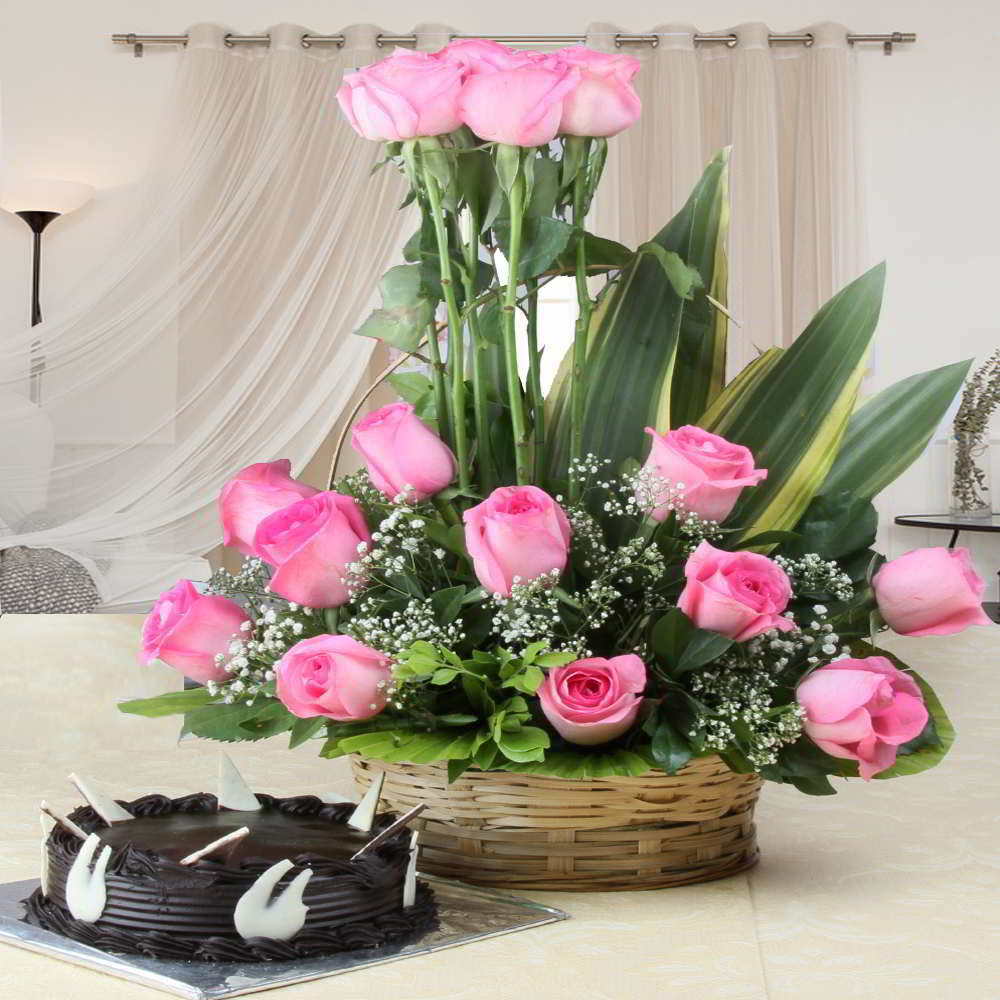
[378, 41]
[618, 39]
[810, 39]
[732, 41]
[227, 40]
[304, 41]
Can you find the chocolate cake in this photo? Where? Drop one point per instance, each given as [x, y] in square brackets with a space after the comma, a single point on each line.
[281, 886]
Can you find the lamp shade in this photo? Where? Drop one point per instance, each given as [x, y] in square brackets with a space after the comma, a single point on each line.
[43, 194]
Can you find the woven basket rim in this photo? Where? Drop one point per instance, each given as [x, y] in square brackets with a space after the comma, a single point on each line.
[697, 761]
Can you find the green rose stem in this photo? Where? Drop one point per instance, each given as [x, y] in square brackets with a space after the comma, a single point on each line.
[535, 378]
[484, 450]
[578, 388]
[440, 390]
[517, 418]
[456, 345]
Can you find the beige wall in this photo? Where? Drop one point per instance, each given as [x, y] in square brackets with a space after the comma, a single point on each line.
[75, 106]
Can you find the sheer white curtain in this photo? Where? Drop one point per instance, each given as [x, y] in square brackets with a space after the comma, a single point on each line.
[789, 111]
[220, 333]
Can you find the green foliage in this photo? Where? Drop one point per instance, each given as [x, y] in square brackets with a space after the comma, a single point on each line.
[680, 647]
[794, 415]
[669, 748]
[406, 310]
[173, 703]
[891, 430]
[655, 312]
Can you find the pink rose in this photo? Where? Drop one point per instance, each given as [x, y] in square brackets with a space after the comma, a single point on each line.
[405, 95]
[738, 594]
[862, 710]
[252, 494]
[517, 531]
[932, 591]
[594, 701]
[311, 543]
[401, 450]
[604, 102]
[335, 676]
[479, 55]
[186, 630]
[713, 470]
[520, 106]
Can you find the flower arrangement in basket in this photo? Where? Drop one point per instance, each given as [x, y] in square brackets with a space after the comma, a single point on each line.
[648, 581]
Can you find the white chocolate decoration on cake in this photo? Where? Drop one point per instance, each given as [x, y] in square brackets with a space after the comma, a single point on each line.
[86, 892]
[225, 841]
[363, 818]
[64, 821]
[103, 805]
[234, 793]
[256, 915]
[48, 825]
[410, 885]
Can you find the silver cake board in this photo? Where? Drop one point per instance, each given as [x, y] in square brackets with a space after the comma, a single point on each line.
[466, 913]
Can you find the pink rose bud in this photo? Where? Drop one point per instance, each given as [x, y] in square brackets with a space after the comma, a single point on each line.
[934, 591]
[252, 494]
[312, 543]
[862, 710]
[405, 95]
[521, 106]
[479, 55]
[594, 701]
[335, 676]
[400, 450]
[738, 594]
[186, 630]
[517, 531]
[713, 471]
[604, 102]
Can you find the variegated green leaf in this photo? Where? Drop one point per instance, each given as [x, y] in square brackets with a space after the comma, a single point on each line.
[891, 430]
[793, 417]
[636, 332]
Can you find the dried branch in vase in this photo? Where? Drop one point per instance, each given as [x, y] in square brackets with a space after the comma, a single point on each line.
[970, 492]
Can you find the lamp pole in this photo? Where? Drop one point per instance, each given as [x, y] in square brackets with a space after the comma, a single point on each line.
[37, 222]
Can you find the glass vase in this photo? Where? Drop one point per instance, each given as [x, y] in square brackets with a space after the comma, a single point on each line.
[969, 462]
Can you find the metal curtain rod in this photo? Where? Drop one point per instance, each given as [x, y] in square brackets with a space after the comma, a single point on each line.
[729, 39]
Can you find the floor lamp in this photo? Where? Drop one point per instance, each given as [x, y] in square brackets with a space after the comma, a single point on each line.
[38, 201]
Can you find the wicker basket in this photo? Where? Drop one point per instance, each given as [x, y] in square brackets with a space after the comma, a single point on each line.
[520, 831]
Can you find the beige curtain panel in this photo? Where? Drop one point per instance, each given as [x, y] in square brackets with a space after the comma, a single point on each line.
[790, 114]
[221, 333]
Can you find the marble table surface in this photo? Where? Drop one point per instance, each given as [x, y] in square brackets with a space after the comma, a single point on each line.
[887, 889]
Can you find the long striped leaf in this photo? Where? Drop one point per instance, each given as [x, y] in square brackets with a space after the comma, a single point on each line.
[740, 386]
[633, 369]
[701, 349]
[794, 417]
[891, 430]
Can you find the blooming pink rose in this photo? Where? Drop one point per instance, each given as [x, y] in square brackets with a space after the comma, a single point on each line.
[517, 531]
[401, 450]
[932, 591]
[252, 494]
[335, 676]
[186, 630]
[739, 594]
[479, 55]
[405, 95]
[862, 710]
[311, 543]
[604, 102]
[520, 106]
[593, 701]
[712, 469]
